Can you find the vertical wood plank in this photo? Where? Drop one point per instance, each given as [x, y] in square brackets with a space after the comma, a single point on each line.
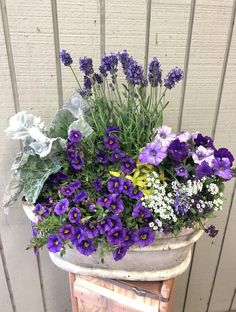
[233, 305]
[102, 28]
[147, 35]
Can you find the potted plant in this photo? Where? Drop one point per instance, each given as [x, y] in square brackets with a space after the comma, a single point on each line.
[112, 191]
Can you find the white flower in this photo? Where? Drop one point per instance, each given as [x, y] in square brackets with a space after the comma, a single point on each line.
[203, 154]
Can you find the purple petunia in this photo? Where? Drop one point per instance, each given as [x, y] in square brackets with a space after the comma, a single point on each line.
[105, 201]
[117, 155]
[116, 221]
[222, 169]
[116, 236]
[41, 211]
[111, 142]
[182, 171]
[205, 141]
[211, 231]
[203, 170]
[184, 136]
[135, 194]
[90, 229]
[224, 153]
[127, 166]
[154, 74]
[74, 215]
[116, 206]
[79, 197]
[177, 150]
[104, 225]
[119, 253]
[128, 187]
[86, 65]
[203, 154]
[140, 211]
[164, 135]
[78, 236]
[173, 77]
[153, 154]
[67, 190]
[61, 206]
[77, 163]
[144, 236]
[65, 58]
[75, 136]
[129, 238]
[66, 231]
[86, 247]
[54, 243]
[97, 183]
[102, 157]
[115, 185]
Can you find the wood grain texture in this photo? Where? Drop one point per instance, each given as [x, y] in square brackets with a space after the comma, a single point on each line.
[5, 300]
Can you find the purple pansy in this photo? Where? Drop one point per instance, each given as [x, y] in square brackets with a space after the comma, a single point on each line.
[116, 236]
[74, 215]
[222, 169]
[211, 231]
[104, 225]
[177, 150]
[119, 253]
[86, 65]
[77, 163]
[116, 155]
[153, 154]
[173, 77]
[67, 190]
[65, 58]
[140, 211]
[75, 136]
[111, 142]
[112, 129]
[90, 229]
[203, 170]
[115, 185]
[78, 236]
[97, 183]
[203, 154]
[117, 205]
[86, 247]
[224, 153]
[61, 206]
[54, 243]
[105, 201]
[79, 197]
[144, 236]
[102, 157]
[127, 166]
[66, 231]
[164, 135]
[182, 171]
[154, 74]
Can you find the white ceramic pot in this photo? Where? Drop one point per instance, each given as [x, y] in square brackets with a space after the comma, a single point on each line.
[166, 258]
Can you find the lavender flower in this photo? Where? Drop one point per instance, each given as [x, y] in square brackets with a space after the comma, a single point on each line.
[97, 78]
[97, 183]
[117, 205]
[65, 58]
[182, 171]
[164, 135]
[61, 206]
[102, 157]
[203, 170]
[135, 73]
[78, 236]
[86, 247]
[54, 243]
[127, 165]
[90, 230]
[111, 142]
[153, 154]
[75, 136]
[211, 231]
[119, 253]
[140, 211]
[66, 231]
[222, 169]
[116, 236]
[74, 215]
[177, 150]
[173, 77]
[86, 65]
[115, 185]
[124, 58]
[67, 190]
[79, 197]
[144, 237]
[154, 75]
[203, 154]
[109, 63]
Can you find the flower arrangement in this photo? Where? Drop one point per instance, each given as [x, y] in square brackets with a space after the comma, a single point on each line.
[107, 172]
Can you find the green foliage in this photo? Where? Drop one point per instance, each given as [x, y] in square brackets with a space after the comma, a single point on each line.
[60, 124]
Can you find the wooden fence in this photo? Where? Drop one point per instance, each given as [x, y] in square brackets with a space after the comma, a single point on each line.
[197, 35]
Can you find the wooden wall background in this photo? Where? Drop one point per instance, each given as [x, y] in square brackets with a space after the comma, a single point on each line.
[199, 36]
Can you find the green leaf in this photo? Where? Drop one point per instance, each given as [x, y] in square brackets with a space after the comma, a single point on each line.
[34, 173]
[60, 124]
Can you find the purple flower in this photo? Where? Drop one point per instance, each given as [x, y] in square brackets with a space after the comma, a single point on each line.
[65, 58]
[117, 205]
[86, 65]
[71, 155]
[140, 211]
[205, 141]
[203, 154]
[111, 142]
[86, 247]
[109, 63]
[87, 87]
[203, 170]
[115, 185]
[211, 231]
[116, 221]
[104, 225]
[61, 206]
[79, 197]
[66, 231]
[41, 211]
[90, 230]
[119, 253]
[127, 165]
[76, 184]
[144, 237]
[125, 59]
[97, 183]
[34, 231]
[105, 201]
[173, 77]
[75, 136]
[224, 153]
[153, 154]
[128, 187]
[164, 135]
[116, 236]
[182, 171]
[184, 136]
[61, 177]
[129, 238]
[222, 169]
[78, 236]
[154, 75]
[102, 69]
[136, 194]
[102, 157]
[67, 190]
[54, 243]
[98, 78]
[74, 215]
[135, 73]
[181, 206]
[71, 146]
[177, 150]
[112, 129]
[117, 155]
[78, 163]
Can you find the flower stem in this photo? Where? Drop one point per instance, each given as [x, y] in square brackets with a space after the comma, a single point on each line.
[76, 78]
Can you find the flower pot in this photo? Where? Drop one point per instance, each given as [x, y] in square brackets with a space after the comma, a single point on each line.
[166, 258]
